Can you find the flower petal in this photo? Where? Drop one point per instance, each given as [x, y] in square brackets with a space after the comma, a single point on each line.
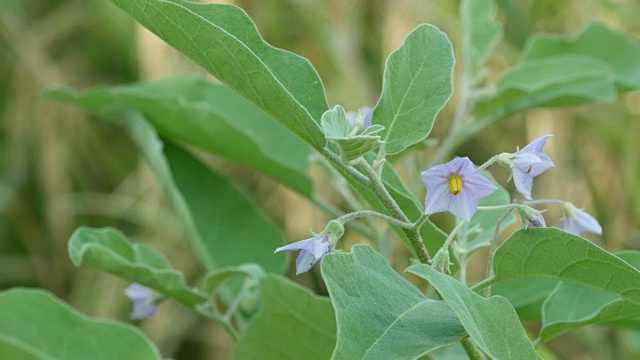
[305, 261]
[464, 205]
[298, 245]
[437, 199]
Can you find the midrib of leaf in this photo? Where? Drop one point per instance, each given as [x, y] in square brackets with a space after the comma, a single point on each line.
[240, 43]
[404, 97]
[400, 317]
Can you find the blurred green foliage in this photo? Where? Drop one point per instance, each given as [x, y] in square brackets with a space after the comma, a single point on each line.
[61, 170]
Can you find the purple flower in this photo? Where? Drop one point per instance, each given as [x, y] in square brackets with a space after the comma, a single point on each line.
[528, 163]
[353, 116]
[538, 222]
[576, 221]
[144, 301]
[456, 187]
[311, 252]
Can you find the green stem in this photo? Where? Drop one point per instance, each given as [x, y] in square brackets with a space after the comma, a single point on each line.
[392, 207]
[471, 350]
[492, 250]
[346, 169]
[362, 213]
[489, 162]
[543, 201]
[220, 320]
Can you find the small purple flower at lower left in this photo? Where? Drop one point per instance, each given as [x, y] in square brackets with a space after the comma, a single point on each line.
[145, 301]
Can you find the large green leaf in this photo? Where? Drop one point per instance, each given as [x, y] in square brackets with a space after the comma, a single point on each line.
[618, 50]
[561, 80]
[417, 84]
[109, 250]
[570, 306]
[550, 253]
[293, 324]
[210, 116]
[36, 325]
[481, 31]
[492, 323]
[221, 222]
[381, 315]
[224, 40]
[525, 295]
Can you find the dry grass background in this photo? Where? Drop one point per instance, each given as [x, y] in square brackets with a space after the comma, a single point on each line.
[62, 169]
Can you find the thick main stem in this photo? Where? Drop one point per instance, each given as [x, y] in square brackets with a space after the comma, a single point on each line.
[413, 233]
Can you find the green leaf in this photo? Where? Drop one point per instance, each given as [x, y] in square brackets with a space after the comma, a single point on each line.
[109, 250]
[381, 315]
[224, 41]
[618, 50]
[209, 116]
[233, 230]
[525, 295]
[479, 232]
[550, 253]
[417, 84]
[293, 324]
[481, 31]
[36, 325]
[554, 81]
[492, 323]
[587, 306]
[218, 217]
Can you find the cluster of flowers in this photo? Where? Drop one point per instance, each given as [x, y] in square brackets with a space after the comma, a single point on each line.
[458, 186]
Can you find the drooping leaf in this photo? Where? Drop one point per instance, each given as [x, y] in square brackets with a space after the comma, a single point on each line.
[209, 116]
[492, 323]
[417, 84]
[216, 278]
[233, 230]
[293, 324]
[571, 306]
[217, 216]
[618, 50]
[561, 80]
[109, 250]
[36, 325]
[380, 315]
[550, 253]
[481, 31]
[224, 41]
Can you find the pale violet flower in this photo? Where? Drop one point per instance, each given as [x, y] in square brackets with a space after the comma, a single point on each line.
[528, 163]
[311, 252]
[576, 221]
[538, 222]
[144, 301]
[456, 187]
[363, 115]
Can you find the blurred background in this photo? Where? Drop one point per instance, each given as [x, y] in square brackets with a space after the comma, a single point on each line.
[61, 168]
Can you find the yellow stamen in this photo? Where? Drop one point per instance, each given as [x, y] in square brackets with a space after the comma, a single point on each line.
[455, 184]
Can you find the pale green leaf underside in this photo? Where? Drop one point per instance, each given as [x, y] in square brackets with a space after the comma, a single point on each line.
[492, 323]
[292, 324]
[380, 315]
[417, 84]
[555, 81]
[618, 50]
[571, 306]
[109, 250]
[224, 41]
[209, 116]
[551, 253]
[36, 325]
